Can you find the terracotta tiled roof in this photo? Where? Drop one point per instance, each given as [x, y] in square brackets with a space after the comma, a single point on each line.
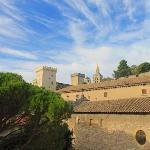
[108, 84]
[132, 105]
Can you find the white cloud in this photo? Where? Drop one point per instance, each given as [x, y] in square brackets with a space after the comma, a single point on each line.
[82, 56]
[102, 6]
[43, 20]
[138, 33]
[138, 52]
[131, 9]
[13, 23]
[9, 28]
[81, 6]
[9, 8]
[18, 53]
[22, 67]
[82, 60]
[77, 32]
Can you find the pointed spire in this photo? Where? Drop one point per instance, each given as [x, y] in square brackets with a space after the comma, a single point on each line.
[97, 69]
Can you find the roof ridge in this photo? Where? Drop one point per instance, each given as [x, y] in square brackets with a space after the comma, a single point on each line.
[130, 105]
[109, 84]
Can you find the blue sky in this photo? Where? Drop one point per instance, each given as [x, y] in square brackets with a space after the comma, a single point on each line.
[73, 35]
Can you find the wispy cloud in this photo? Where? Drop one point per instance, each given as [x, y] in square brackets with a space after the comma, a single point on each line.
[18, 53]
[82, 7]
[9, 28]
[73, 35]
[13, 22]
[9, 8]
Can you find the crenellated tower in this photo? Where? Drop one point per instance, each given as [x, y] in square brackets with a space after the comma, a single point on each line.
[46, 77]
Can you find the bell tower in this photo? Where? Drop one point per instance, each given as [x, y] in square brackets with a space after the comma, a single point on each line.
[97, 70]
[97, 76]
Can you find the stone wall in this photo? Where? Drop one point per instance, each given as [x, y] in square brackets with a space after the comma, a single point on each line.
[114, 93]
[109, 131]
[46, 77]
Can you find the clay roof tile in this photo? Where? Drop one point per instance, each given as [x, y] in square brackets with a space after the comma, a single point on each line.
[131, 105]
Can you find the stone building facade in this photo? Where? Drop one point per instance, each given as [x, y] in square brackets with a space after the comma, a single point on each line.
[117, 132]
[46, 77]
[111, 115]
[79, 78]
[111, 125]
[108, 90]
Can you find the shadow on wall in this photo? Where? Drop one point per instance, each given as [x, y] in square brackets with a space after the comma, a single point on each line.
[95, 138]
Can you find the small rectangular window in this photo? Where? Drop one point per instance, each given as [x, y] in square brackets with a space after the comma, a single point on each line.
[78, 121]
[144, 91]
[91, 122]
[101, 122]
[105, 94]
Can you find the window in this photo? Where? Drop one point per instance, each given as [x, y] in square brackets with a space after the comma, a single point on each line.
[78, 121]
[140, 137]
[101, 122]
[67, 97]
[105, 94]
[144, 91]
[91, 122]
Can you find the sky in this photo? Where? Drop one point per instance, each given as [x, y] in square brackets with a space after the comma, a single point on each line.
[73, 35]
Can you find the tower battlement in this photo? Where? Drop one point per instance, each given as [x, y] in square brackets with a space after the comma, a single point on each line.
[46, 68]
[78, 74]
[46, 77]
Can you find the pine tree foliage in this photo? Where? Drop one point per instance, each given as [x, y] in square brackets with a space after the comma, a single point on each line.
[33, 117]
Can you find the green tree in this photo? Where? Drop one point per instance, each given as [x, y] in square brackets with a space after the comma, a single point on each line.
[134, 70]
[13, 96]
[47, 112]
[123, 70]
[144, 67]
[52, 137]
[107, 79]
[8, 78]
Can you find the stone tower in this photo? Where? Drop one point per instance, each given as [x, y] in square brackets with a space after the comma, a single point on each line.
[77, 78]
[97, 76]
[46, 77]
